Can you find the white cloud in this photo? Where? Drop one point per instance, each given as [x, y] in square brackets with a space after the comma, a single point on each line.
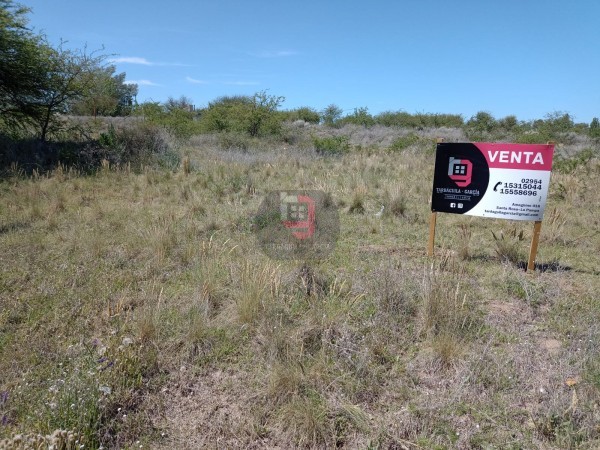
[195, 81]
[143, 61]
[274, 54]
[132, 60]
[142, 82]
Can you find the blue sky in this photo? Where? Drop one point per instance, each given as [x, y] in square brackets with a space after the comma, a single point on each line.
[522, 57]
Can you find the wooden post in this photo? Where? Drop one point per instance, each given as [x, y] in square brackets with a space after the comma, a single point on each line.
[537, 227]
[431, 244]
[432, 220]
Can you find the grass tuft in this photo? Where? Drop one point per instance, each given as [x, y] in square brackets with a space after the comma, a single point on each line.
[509, 246]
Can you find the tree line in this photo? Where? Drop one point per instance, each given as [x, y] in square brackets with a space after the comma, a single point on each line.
[40, 83]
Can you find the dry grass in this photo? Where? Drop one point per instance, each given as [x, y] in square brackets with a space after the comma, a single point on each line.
[146, 294]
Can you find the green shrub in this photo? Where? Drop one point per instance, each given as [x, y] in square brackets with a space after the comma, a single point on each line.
[233, 141]
[404, 142]
[403, 119]
[569, 165]
[221, 115]
[399, 119]
[331, 145]
[139, 144]
[558, 122]
[256, 116]
[595, 128]
[480, 126]
[178, 122]
[360, 116]
[554, 127]
[509, 123]
[304, 113]
[109, 139]
[532, 137]
[144, 144]
[428, 120]
[331, 115]
[447, 120]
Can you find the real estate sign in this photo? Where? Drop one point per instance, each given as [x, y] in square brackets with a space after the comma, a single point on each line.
[499, 180]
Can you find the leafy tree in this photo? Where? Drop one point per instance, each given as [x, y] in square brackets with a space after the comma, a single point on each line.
[553, 128]
[182, 102]
[308, 115]
[595, 127]
[178, 121]
[509, 123]
[223, 114]
[360, 116]
[400, 119]
[39, 82]
[262, 118]
[22, 58]
[304, 113]
[558, 122]
[253, 116]
[108, 94]
[403, 119]
[151, 111]
[67, 81]
[482, 121]
[331, 115]
[444, 120]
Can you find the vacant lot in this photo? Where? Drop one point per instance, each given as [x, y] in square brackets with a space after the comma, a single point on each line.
[136, 308]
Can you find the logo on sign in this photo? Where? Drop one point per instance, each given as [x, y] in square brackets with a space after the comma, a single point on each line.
[460, 171]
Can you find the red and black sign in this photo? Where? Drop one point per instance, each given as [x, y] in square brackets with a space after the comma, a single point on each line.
[492, 179]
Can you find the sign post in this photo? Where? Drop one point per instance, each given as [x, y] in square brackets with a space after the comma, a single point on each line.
[498, 180]
[431, 244]
[537, 227]
[432, 221]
